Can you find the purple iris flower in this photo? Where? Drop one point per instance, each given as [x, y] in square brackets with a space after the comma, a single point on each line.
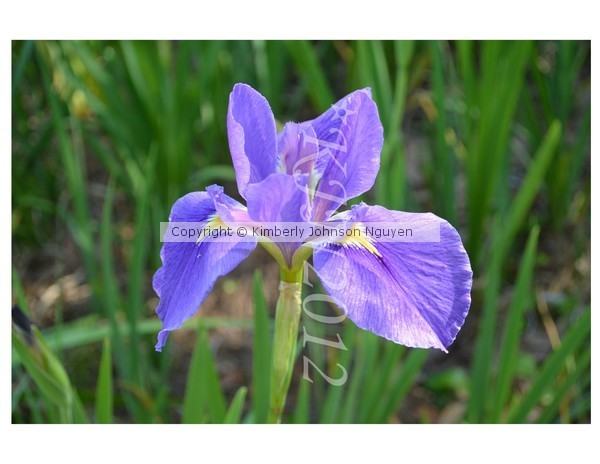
[415, 294]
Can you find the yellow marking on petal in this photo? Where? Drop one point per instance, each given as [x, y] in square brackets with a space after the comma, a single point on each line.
[358, 237]
[213, 223]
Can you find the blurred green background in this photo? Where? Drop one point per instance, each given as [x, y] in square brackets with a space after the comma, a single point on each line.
[493, 136]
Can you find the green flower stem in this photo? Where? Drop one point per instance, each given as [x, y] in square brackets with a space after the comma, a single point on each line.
[287, 319]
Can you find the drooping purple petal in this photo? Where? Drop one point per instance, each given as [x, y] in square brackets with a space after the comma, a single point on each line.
[280, 198]
[416, 294]
[252, 136]
[190, 270]
[350, 138]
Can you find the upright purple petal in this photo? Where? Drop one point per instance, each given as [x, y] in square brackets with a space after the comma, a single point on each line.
[350, 138]
[280, 198]
[252, 136]
[190, 270]
[297, 149]
[416, 294]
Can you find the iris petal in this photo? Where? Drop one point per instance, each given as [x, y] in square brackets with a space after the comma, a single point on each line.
[280, 198]
[350, 138]
[415, 294]
[297, 149]
[190, 270]
[228, 210]
[252, 136]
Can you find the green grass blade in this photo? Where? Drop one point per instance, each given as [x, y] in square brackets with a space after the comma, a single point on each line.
[104, 390]
[137, 266]
[110, 290]
[503, 68]
[308, 68]
[333, 399]
[444, 172]
[583, 365]
[466, 65]
[364, 64]
[581, 409]
[261, 354]
[530, 186]
[574, 338]
[580, 153]
[144, 71]
[92, 329]
[50, 376]
[217, 406]
[214, 173]
[234, 413]
[509, 348]
[50, 387]
[398, 390]
[484, 345]
[203, 393]
[26, 51]
[317, 352]
[504, 237]
[79, 413]
[394, 155]
[19, 292]
[277, 59]
[302, 408]
[194, 399]
[388, 365]
[71, 155]
[368, 345]
[261, 64]
[382, 85]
